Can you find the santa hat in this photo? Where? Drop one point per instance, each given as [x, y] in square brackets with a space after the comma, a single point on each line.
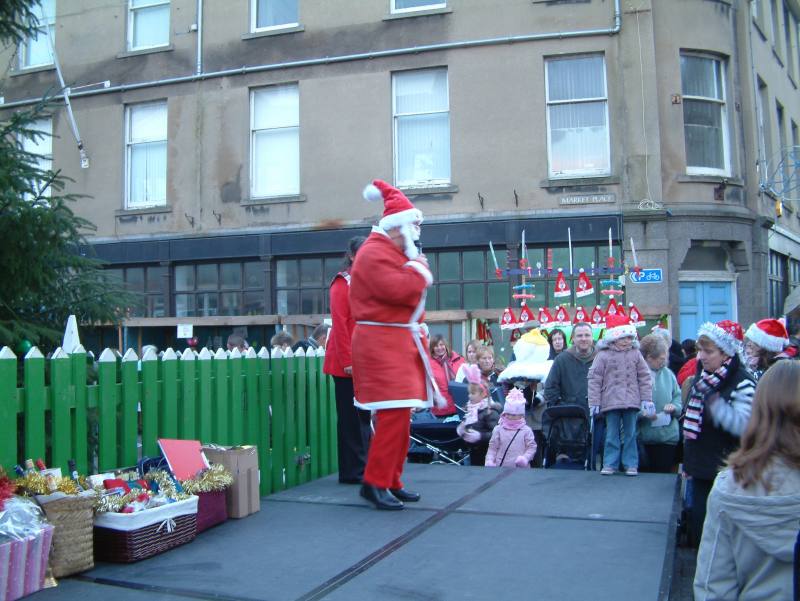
[508, 321]
[562, 288]
[580, 316]
[584, 286]
[544, 316]
[769, 334]
[515, 403]
[597, 318]
[562, 317]
[726, 334]
[635, 315]
[612, 308]
[618, 326]
[397, 212]
[525, 315]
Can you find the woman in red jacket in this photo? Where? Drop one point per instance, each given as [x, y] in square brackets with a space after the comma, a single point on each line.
[353, 425]
[444, 366]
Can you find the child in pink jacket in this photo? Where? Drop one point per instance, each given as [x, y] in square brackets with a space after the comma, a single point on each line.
[512, 443]
[620, 385]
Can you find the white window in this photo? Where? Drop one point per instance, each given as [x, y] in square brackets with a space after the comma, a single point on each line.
[275, 141]
[577, 117]
[148, 24]
[421, 128]
[36, 51]
[42, 147]
[705, 122]
[407, 6]
[273, 14]
[146, 155]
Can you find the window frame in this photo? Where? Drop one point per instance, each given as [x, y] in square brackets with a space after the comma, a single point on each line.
[218, 291]
[432, 5]
[49, 27]
[724, 121]
[132, 21]
[254, 20]
[128, 146]
[433, 183]
[253, 92]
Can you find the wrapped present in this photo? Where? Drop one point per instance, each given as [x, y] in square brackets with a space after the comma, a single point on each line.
[25, 540]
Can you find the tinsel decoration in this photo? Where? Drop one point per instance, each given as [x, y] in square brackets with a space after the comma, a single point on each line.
[213, 479]
[36, 484]
[115, 503]
[166, 485]
[7, 488]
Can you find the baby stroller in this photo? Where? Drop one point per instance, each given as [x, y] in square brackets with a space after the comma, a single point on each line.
[435, 440]
[568, 434]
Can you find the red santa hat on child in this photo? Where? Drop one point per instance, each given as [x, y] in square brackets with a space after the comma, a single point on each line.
[397, 212]
[769, 334]
[618, 326]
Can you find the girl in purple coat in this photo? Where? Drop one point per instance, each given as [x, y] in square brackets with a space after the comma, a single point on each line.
[512, 443]
[620, 386]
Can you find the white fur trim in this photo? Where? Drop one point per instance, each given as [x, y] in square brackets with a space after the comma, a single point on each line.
[371, 193]
[423, 271]
[620, 332]
[393, 404]
[726, 342]
[766, 341]
[401, 218]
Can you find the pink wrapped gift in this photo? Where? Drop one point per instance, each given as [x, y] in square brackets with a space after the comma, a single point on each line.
[23, 565]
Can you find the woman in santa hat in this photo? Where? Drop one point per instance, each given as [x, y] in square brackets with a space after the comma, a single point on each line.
[764, 342]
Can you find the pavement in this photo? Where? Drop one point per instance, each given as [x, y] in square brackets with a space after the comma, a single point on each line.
[477, 533]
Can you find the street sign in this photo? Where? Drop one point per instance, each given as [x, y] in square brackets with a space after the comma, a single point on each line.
[647, 276]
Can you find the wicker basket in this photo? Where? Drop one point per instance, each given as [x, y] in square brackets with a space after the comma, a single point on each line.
[72, 549]
[125, 538]
[212, 509]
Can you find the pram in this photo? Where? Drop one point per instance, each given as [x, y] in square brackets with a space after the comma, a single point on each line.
[435, 440]
[568, 435]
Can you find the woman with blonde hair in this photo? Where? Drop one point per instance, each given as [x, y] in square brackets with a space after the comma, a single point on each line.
[753, 516]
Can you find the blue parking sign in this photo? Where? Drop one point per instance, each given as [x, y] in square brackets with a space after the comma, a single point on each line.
[647, 276]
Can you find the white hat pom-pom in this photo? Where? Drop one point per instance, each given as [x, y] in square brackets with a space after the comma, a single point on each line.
[372, 194]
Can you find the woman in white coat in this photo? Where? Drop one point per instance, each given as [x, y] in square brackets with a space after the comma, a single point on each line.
[753, 517]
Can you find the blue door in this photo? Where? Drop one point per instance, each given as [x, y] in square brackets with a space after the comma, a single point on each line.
[701, 302]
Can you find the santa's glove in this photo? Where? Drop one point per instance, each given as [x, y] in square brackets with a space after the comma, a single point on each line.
[521, 461]
[594, 410]
[471, 436]
[439, 401]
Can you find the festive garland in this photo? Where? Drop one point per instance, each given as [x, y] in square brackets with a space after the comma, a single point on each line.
[36, 484]
[115, 503]
[166, 485]
[213, 479]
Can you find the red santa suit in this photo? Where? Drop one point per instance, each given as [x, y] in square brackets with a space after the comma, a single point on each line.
[391, 366]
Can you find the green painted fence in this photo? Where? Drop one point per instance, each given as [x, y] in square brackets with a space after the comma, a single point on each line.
[282, 404]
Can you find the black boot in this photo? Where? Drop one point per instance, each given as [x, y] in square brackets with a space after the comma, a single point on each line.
[405, 495]
[380, 497]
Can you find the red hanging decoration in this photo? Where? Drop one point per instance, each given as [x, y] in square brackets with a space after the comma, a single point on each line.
[562, 288]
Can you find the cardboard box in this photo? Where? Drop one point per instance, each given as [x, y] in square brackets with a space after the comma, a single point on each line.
[243, 496]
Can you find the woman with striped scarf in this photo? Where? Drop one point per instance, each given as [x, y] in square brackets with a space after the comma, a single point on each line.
[717, 411]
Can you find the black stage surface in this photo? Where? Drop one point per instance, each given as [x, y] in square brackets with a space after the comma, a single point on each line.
[478, 533]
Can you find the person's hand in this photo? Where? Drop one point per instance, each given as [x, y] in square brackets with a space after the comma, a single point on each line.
[422, 259]
[521, 461]
[648, 409]
[594, 410]
[669, 408]
[471, 436]
[349, 370]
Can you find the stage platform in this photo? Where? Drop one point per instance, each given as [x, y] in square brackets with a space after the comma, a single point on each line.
[478, 533]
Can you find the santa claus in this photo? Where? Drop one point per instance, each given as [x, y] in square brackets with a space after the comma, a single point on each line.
[391, 368]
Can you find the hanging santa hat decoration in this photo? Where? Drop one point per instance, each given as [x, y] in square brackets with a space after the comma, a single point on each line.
[580, 316]
[508, 321]
[584, 286]
[397, 212]
[561, 318]
[612, 308]
[598, 319]
[635, 315]
[562, 288]
[525, 315]
[621, 309]
[545, 319]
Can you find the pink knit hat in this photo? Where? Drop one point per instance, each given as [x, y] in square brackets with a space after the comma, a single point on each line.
[515, 403]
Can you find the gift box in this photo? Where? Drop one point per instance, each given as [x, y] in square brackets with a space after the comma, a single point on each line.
[23, 564]
[242, 462]
[212, 509]
[129, 537]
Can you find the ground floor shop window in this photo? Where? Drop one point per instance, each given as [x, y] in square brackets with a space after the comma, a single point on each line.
[219, 289]
[149, 282]
[301, 285]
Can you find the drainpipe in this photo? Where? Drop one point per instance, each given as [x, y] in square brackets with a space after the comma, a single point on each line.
[329, 60]
[199, 66]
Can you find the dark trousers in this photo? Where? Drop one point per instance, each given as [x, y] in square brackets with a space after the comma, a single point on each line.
[538, 436]
[658, 458]
[353, 432]
[477, 453]
[598, 441]
[697, 513]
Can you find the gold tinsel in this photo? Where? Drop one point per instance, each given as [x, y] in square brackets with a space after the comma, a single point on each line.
[114, 503]
[166, 485]
[213, 479]
[36, 484]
